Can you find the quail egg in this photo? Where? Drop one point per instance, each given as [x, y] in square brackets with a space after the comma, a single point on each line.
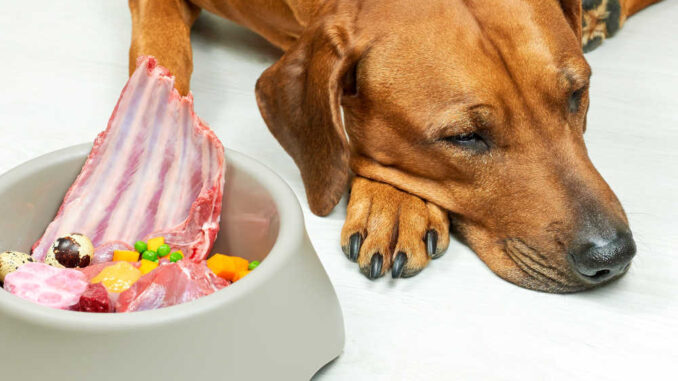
[10, 261]
[72, 250]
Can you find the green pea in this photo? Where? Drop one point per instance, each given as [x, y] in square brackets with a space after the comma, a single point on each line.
[150, 256]
[176, 257]
[140, 246]
[253, 265]
[164, 250]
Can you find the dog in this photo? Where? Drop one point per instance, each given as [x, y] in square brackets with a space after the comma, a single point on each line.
[469, 110]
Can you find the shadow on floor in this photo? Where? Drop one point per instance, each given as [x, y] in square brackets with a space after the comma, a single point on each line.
[213, 32]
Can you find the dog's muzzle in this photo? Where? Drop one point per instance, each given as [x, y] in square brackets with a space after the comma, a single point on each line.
[598, 260]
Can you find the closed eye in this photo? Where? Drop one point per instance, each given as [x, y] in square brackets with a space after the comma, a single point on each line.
[469, 140]
[574, 102]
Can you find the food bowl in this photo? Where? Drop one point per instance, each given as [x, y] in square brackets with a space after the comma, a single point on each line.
[281, 322]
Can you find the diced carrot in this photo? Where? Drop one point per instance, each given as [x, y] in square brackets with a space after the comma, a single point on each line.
[222, 265]
[240, 274]
[125, 255]
[215, 262]
[154, 243]
[147, 266]
[240, 263]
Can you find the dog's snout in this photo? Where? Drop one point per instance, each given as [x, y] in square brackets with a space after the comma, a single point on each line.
[598, 260]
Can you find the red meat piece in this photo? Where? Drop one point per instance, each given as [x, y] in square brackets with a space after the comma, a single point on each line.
[94, 299]
[171, 284]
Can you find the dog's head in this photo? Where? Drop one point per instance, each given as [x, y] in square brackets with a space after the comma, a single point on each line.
[478, 106]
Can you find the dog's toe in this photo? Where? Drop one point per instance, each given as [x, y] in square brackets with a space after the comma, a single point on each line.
[592, 43]
[413, 228]
[376, 265]
[355, 227]
[614, 17]
[387, 229]
[380, 229]
[588, 5]
[601, 19]
[398, 264]
[439, 231]
[354, 244]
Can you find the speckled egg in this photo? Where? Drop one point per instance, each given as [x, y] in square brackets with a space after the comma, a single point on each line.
[72, 250]
[10, 261]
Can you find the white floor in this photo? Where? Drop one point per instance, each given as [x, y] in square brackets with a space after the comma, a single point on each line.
[62, 67]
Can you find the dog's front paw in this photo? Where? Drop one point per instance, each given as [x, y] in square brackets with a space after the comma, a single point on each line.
[388, 229]
[600, 19]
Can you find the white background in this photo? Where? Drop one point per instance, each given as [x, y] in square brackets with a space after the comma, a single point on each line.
[64, 63]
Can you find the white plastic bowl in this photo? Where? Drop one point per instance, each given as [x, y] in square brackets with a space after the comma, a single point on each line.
[281, 322]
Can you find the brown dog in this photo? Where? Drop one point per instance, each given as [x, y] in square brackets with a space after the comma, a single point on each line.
[478, 107]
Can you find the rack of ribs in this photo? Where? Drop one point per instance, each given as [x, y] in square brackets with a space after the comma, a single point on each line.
[157, 170]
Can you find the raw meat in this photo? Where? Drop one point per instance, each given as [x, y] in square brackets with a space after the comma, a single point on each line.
[157, 170]
[104, 252]
[94, 299]
[118, 277]
[169, 285]
[50, 286]
[92, 271]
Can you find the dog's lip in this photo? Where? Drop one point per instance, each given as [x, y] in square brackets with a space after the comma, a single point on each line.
[575, 281]
[557, 280]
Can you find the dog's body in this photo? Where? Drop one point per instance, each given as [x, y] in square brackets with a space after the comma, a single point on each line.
[478, 107]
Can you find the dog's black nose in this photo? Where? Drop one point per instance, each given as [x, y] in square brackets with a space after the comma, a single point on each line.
[599, 260]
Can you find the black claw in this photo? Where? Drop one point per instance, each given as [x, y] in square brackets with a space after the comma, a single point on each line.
[613, 17]
[587, 5]
[375, 266]
[431, 242]
[592, 44]
[398, 264]
[355, 242]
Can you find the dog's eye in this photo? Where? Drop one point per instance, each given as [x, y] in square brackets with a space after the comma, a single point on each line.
[575, 100]
[468, 140]
[466, 137]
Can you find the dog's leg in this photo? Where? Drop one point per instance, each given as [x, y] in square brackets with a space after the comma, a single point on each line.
[387, 228]
[162, 28]
[633, 6]
[603, 18]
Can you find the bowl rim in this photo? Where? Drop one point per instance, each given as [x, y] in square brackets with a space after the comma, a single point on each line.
[291, 232]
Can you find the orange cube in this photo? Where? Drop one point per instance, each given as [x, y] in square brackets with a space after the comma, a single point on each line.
[147, 266]
[240, 274]
[155, 243]
[223, 266]
[125, 255]
[241, 263]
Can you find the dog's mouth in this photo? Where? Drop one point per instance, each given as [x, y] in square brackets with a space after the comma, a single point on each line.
[527, 267]
[540, 272]
[546, 273]
[531, 266]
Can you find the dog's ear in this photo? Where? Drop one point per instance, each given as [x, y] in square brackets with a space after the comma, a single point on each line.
[299, 97]
[572, 11]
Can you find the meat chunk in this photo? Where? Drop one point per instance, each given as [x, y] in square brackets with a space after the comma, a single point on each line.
[168, 285]
[50, 286]
[94, 299]
[157, 170]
